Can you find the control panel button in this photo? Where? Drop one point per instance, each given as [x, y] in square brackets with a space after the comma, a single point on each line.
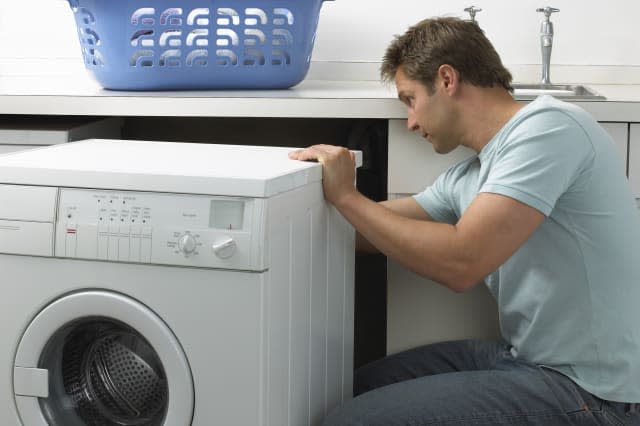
[224, 247]
[187, 244]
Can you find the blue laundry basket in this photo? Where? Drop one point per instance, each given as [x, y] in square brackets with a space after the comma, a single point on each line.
[197, 44]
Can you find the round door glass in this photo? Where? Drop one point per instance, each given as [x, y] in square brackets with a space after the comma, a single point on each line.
[103, 373]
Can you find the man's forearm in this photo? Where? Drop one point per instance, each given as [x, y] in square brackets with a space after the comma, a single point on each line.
[363, 245]
[423, 246]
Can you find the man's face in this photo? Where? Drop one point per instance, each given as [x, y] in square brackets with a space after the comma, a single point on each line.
[429, 114]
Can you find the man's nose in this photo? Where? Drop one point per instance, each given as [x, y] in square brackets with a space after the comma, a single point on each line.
[412, 124]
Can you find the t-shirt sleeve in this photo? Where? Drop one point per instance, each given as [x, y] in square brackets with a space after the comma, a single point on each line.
[438, 199]
[434, 202]
[540, 160]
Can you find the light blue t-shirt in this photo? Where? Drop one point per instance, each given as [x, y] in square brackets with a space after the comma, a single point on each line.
[569, 298]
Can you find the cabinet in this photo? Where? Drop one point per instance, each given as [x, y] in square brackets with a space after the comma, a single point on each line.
[24, 132]
[420, 311]
[620, 134]
[634, 159]
[412, 162]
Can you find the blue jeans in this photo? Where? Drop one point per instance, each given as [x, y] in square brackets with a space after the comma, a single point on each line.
[471, 382]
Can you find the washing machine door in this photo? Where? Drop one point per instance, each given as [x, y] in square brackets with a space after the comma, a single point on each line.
[99, 358]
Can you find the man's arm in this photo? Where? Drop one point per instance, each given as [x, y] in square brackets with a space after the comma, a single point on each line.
[407, 207]
[457, 256]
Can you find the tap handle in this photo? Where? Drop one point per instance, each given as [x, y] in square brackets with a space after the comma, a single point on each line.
[547, 11]
[472, 10]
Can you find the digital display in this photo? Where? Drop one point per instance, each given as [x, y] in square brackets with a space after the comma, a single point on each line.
[226, 214]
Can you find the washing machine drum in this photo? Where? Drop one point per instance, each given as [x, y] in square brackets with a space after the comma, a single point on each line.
[108, 372]
[99, 358]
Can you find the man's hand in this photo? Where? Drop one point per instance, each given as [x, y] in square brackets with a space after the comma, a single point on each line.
[338, 169]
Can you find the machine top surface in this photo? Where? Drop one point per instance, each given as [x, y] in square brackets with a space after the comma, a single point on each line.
[190, 168]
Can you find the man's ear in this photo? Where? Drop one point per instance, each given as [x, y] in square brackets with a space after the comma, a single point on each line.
[449, 77]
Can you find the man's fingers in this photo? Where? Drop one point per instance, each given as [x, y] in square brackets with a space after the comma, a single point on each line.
[318, 153]
[293, 155]
[312, 153]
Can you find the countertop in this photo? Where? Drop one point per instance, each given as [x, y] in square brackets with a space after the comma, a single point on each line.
[71, 95]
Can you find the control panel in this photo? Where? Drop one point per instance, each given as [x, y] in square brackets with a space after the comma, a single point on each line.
[158, 228]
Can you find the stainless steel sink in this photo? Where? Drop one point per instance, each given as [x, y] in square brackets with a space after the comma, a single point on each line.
[525, 91]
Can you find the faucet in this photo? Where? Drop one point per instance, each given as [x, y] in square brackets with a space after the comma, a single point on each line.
[472, 10]
[546, 41]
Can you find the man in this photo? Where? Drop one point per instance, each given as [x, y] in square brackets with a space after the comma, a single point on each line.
[542, 214]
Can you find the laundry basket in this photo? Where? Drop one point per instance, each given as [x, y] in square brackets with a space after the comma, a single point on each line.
[197, 44]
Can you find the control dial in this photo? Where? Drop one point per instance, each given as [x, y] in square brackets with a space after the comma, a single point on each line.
[224, 247]
[187, 244]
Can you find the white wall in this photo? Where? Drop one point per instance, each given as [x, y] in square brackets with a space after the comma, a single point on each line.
[588, 32]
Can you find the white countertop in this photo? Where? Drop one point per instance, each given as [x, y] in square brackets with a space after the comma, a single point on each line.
[64, 95]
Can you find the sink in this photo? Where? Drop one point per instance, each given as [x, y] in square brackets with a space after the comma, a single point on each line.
[525, 91]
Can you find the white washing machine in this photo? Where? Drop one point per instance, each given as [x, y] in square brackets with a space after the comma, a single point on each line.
[173, 284]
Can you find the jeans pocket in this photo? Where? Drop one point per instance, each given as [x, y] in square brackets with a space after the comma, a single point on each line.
[590, 408]
[614, 414]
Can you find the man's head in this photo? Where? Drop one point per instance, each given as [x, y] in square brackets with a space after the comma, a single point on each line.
[434, 42]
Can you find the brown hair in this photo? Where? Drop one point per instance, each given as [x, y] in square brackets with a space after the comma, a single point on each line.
[434, 42]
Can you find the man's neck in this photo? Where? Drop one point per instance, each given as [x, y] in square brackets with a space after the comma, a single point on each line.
[484, 112]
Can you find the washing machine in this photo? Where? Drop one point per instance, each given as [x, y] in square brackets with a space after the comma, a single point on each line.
[171, 284]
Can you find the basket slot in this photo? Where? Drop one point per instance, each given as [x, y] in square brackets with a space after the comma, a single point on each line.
[86, 16]
[282, 37]
[226, 57]
[90, 37]
[170, 58]
[254, 37]
[197, 57]
[280, 57]
[227, 37]
[253, 57]
[171, 16]
[199, 16]
[171, 38]
[143, 37]
[142, 58]
[144, 16]
[93, 57]
[282, 16]
[255, 16]
[198, 37]
[227, 16]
